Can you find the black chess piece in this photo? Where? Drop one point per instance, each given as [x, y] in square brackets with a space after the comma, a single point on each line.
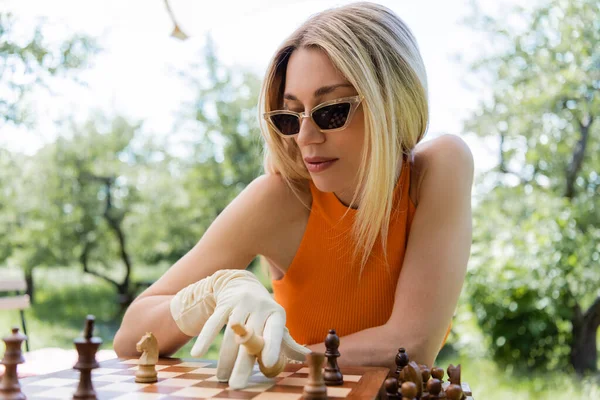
[391, 389]
[426, 372]
[434, 388]
[401, 360]
[333, 376]
[10, 388]
[454, 392]
[409, 391]
[454, 374]
[87, 346]
[437, 373]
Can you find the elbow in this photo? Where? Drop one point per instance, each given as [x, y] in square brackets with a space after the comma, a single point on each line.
[122, 346]
[423, 349]
[423, 352]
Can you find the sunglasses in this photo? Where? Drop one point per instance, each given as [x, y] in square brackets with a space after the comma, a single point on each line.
[330, 116]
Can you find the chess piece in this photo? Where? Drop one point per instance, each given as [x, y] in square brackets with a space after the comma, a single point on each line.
[437, 373]
[401, 376]
[254, 345]
[333, 376]
[148, 346]
[409, 391]
[426, 373]
[87, 346]
[315, 388]
[454, 392]
[401, 361]
[434, 388]
[391, 389]
[412, 373]
[10, 388]
[454, 374]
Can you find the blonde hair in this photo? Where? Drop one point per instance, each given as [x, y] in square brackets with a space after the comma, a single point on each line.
[378, 54]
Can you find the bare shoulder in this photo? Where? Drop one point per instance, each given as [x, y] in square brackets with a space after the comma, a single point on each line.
[446, 158]
[271, 193]
[275, 205]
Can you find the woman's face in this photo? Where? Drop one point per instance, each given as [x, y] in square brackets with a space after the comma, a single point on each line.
[311, 79]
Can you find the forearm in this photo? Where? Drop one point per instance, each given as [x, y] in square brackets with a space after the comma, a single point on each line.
[149, 314]
[378, 346]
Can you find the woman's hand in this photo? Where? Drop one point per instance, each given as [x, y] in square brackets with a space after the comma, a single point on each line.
[234, 296]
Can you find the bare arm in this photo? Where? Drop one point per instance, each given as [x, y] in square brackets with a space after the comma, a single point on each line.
[232, 241]
[434, 266]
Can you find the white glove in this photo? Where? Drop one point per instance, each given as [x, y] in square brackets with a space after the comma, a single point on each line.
[234, 296]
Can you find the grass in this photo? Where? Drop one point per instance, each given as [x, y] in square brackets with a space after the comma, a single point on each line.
[65, 296]
[488, 381]
[63, 299]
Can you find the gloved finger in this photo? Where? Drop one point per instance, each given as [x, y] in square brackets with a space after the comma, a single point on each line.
[242, 369]
[229, 346]
[239, 315]
[292, 349]
[227, 355]
[244, 362]
[209, 331]
[273, 336]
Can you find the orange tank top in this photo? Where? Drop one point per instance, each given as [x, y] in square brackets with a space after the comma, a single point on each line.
[322, 289]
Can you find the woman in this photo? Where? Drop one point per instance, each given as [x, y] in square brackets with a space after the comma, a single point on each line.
[365, 229]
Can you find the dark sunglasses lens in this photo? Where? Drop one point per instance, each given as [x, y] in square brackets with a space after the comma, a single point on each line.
[286, 124]
[333, 116]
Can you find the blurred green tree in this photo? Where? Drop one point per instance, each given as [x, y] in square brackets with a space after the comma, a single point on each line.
[71, 198]
[28, 61]
[10, 189]
[222, 155]
[534, 278]
[105, 193]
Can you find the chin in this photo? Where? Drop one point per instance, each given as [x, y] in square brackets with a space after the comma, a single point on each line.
[326, 184]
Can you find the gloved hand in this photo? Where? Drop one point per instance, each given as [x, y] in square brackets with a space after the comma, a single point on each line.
[234, 296]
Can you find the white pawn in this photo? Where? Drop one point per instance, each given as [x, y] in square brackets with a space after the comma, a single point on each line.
[254, 345]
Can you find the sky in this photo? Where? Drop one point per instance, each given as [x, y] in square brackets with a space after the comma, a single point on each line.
[134, 74]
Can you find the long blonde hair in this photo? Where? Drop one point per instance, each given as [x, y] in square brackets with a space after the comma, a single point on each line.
[378, 54]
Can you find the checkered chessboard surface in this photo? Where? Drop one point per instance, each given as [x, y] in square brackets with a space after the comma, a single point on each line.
[187, 379]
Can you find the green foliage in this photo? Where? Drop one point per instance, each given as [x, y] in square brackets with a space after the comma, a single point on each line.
[530, 266]
[491, 381]
[9, 188]
[222, 158]
[58, 205]
[106, 195]
[65, 297]
[536, 224]
[28, 61]
[58, 316]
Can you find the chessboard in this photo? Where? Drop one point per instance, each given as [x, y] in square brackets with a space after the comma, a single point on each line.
[196, 379]
[172, 378]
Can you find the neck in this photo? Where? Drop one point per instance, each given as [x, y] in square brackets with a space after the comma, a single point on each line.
[345, 197]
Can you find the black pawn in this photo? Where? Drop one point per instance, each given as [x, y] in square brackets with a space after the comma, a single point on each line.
[10, 389]
[87, 346]
[391, 389]
[332, 375]
[401, 360]
[434, 388]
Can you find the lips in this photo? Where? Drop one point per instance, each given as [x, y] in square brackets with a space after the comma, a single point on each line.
[316, 160]
[318, 164]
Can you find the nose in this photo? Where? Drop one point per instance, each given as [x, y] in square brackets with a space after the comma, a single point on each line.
[309, 132]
